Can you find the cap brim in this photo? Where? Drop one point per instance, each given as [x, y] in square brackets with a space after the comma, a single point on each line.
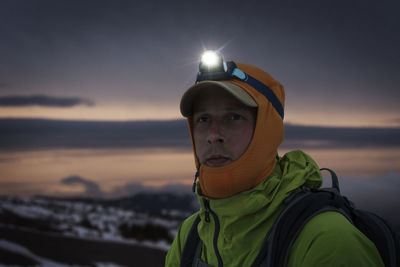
[190, 95]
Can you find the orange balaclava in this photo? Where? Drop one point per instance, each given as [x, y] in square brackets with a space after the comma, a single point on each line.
[259, 160]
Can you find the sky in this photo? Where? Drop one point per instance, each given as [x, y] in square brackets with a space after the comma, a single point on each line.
[129, 60]
[90, 90]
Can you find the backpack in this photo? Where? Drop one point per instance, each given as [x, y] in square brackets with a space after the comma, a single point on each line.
[300, 207]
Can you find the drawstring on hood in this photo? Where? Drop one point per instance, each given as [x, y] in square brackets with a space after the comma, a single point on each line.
[259, 160]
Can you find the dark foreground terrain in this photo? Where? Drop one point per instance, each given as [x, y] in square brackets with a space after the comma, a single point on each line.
[74, 251]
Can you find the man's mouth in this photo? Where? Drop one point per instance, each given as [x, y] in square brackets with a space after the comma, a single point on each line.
[217, 161]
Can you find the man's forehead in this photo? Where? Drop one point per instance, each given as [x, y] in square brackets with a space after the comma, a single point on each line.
[216, 94]
[219, 105]
[203, 109]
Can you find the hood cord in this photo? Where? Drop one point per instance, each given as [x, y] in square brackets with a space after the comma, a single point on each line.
[195, 180]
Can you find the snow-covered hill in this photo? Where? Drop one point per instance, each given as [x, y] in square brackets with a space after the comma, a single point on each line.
[105, 222]
[95, 221]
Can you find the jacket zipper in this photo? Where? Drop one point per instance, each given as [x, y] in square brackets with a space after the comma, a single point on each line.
[217, 229]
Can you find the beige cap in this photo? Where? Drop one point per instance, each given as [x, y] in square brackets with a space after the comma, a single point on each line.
[190, 95]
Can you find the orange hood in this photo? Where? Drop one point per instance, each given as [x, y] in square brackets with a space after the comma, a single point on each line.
[259, 160]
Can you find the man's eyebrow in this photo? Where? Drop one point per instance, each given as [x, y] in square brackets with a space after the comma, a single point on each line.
[199, 111]
[228, 109]
[236, 109]
[232, 109]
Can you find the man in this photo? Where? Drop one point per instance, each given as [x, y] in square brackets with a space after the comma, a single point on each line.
[236, 126]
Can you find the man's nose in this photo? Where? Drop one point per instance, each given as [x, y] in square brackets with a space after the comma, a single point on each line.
[215, 134]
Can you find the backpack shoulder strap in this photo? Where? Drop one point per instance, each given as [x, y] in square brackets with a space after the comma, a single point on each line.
[191, 245]
[300, 208]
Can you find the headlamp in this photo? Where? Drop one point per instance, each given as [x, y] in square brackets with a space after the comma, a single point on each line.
[213, 68]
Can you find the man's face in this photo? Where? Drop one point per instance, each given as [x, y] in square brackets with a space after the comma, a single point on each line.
[222, 127]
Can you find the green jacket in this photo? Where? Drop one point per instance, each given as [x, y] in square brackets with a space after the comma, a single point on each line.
[328, 239]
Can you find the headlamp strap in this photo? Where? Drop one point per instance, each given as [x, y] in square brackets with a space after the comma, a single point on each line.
[233, 71]
[259, 86]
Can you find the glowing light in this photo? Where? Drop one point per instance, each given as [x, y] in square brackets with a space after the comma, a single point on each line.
[210, 58]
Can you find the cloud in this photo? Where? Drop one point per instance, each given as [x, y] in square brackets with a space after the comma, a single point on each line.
[43, 100]
[33, 134]
[92, 189]
[27, 134]
[339, 137]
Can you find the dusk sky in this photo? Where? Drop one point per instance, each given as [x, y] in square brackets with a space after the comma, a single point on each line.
[133, 59]
[90, 90]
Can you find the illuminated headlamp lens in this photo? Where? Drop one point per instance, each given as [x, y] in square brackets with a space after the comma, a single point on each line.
[210, 58]
[211, 61]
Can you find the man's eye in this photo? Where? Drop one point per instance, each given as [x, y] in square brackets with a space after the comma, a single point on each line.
[236, 117]
[202, 119]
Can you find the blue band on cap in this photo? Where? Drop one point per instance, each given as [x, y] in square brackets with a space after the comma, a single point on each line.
[262, 88]
[267, 92]
[234, 71]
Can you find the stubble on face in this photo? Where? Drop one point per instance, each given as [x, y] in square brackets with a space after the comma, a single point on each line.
[223, 127]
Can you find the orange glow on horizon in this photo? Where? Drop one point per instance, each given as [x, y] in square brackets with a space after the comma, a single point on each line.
[41, 172]
[108, 168]
[167, 112]
[119, 113]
